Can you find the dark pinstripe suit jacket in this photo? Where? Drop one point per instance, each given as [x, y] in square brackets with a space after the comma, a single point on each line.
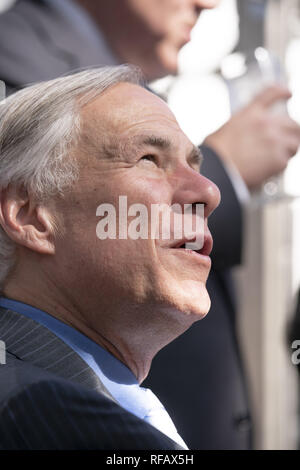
[51, 399]
[203, 366]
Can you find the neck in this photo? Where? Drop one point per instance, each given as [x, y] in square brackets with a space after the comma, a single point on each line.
[134, 342]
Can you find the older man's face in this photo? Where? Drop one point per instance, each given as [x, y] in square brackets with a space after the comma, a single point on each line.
[170, 22]
[132, 146]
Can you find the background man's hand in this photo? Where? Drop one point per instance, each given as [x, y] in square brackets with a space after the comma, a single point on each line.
[258, 140]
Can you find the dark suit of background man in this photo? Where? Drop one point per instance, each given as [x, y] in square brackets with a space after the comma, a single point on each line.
[44, 39]
[80, 312]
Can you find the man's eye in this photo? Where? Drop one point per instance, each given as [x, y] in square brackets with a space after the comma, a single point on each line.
[149, 158]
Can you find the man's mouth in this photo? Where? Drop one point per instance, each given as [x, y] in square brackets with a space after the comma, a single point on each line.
[187, 245]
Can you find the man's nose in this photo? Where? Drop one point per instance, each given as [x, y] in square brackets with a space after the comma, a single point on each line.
[205, 4]
[194, 188]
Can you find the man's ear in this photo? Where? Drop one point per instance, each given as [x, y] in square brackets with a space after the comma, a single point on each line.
[25, 221]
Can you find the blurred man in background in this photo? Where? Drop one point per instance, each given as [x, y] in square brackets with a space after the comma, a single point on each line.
[43, 39]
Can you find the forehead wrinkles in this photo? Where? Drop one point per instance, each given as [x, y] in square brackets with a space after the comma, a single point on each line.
[108, 145]
[96, 140]
[119, 131]
[103, 139]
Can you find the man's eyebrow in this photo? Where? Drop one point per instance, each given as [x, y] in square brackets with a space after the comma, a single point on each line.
[157, 141]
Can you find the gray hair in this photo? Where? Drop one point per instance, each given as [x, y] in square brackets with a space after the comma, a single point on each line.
[38, 127]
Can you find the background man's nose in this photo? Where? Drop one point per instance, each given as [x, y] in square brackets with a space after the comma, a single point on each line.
[201, 4]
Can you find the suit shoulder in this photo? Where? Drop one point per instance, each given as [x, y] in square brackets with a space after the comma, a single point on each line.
[26, 40]
[19, 377]
[16, 23]
[42, 411]
[16, 375]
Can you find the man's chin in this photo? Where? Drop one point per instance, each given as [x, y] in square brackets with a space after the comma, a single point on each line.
[168, 62]
[193, 301]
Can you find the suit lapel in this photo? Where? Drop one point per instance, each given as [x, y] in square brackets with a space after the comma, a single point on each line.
[32, 342]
